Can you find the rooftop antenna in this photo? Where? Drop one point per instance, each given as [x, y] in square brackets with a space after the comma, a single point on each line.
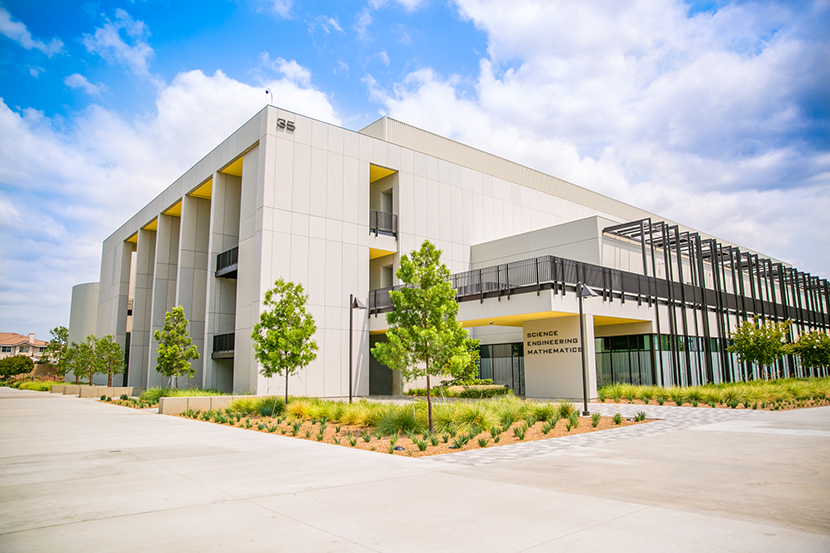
[270, 96]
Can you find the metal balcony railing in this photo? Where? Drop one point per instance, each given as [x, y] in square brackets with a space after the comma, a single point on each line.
[227, 263]
[381, 222]
[223, 345]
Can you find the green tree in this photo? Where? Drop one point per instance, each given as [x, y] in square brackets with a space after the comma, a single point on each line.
[86, 363]
[15, 365]
[70, 360]
[761, 342]
[812, 349]
[283, 338]
[110, 356]
[56, 348]
[175, 350]
[424, 337]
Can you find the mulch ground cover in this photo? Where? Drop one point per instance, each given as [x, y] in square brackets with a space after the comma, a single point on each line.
[355, 436]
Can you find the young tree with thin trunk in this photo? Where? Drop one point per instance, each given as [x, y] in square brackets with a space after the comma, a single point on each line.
[812, 350]
[56, 348]
[283, 337]
[86, 362]
[760, 342]
[110, 355]
[424, 337]
[175, 350]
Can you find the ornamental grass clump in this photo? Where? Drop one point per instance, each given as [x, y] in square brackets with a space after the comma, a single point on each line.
[617, 418]
[595, 418]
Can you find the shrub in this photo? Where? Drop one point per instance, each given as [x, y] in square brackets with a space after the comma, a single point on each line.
[617, 418]
[520, 431]
[471, 416]
[482, 442]
[565, 409]
[595, 418]
[35, 385]
[401, 420]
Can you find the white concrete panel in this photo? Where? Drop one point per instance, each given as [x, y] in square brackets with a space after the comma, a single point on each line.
[335, 140]
[334, 187]
[351, 193]
[302, 178]
[318, 186]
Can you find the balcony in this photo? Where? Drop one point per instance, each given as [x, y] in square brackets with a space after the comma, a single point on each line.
[223, 346]
[227, 262]
[381, 222]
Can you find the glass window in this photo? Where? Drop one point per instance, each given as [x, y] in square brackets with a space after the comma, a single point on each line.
[23, 349]
[41, 349]
[5, 349]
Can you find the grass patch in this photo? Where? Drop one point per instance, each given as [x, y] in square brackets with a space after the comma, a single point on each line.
[785, 393]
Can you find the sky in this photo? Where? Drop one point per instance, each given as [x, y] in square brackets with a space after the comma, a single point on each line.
[714, 114]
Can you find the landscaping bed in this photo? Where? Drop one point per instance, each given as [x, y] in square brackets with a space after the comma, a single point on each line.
[401, 429]
[774, 395]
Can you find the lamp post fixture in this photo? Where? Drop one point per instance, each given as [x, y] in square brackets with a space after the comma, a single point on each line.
[583, 291]
[270, 95]
[354, 303]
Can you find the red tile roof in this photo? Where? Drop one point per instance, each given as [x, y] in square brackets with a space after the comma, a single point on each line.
[14, 339]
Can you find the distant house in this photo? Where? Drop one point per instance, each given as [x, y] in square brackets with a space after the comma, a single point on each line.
[12, 343]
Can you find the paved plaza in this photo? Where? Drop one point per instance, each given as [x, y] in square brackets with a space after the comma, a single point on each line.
[78, 475]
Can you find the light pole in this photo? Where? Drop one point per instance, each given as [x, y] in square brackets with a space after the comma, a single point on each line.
[354, 303]
[583, 291]
[270, 95]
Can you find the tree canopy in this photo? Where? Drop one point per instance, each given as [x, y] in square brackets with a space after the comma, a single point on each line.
[283, 338]
[56, 348]
[175, 349]
[761, 342]
[15, 365]
[812, 350]
[110, 355]
[424, 337]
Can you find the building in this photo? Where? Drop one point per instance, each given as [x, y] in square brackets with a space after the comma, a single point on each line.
[12, 343]
[288, 196]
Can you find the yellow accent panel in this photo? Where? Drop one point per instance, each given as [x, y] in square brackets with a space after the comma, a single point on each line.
[133, 238]
[152, 225]
[602, 320]
[515, 320]
[518, 320]
[203, 191]
[234, 168]
[175, 210]
[374, 253]
[377, 173]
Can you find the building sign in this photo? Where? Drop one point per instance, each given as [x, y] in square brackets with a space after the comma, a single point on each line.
[553, 358]
[287, 125]
[548, 342]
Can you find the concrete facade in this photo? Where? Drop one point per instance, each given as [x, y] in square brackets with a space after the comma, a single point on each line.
[287, 196]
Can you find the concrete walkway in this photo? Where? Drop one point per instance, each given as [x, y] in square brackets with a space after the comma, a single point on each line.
[78, 475]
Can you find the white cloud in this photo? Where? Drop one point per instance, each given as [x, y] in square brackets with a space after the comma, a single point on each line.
[78, 81]
[702, 120]
[282, 8]
[80, 178]
[408, 5]
[290, 69]
[364, 19]
[19, 33]
[134, 53]
[36, 71]
[383, 57]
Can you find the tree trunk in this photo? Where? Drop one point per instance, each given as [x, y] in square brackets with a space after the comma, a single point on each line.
[429, 401]
[109, 378]
[286, 388]
[77, 379]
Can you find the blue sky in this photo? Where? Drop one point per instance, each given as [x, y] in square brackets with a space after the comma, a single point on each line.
[714, 114]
